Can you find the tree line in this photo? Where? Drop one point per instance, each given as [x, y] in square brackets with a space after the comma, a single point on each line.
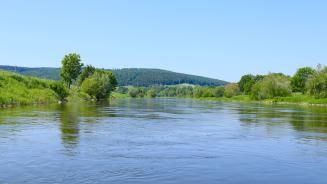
[89, 82]
[306, 80]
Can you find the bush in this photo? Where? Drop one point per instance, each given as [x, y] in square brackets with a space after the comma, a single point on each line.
[219, 91]
[300, 79]
[231, 90]
[273, 85]
[121, 89]
[86, 73]
[60, 89]
[317, 84]
[246, 83]
[150, 93]
[99, 85]
[133, 92]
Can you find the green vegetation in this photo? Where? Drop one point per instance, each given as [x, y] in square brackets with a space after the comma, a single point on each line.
[19, 90]
[60, 89]
[317, 83]
[129, 76]
[99, 85]
[87, 72]
[231, 90]
[307, 86]
[300, 79]
[92, 84]
[272, 85]
[71, 68]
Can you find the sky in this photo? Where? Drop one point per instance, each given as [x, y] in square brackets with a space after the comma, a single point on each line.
[222, 39]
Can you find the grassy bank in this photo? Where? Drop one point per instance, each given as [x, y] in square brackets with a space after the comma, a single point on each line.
[300, 99]
[21, 90]
[295, 98]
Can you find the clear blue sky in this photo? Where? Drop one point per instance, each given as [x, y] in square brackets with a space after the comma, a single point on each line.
[216, 38]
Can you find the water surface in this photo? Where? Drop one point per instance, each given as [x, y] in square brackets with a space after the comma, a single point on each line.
[163, 141]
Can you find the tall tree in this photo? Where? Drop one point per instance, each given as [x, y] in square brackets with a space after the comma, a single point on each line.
[246, 83]
[87, 72]
[71, 68]
[300, 78]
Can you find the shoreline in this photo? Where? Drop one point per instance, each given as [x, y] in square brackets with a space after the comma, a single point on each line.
[237, 99]
[246, 99]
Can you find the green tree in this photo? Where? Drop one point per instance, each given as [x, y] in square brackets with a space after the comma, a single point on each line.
[141, 92]
[71, 68]
[100, 84]
[60, 89]
[272, 85]
[219, 91]
[87, 72]
[300, 78]
[246, 83]
[231, 90]
[133, 92]
[150, 93]
[317, 83]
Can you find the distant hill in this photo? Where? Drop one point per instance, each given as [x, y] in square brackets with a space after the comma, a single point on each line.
[128, 76]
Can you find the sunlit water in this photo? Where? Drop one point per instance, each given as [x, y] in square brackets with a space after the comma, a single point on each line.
[163, 141]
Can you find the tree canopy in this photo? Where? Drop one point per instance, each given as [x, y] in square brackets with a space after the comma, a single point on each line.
[71, 68]
[99, 85]
[300, 79]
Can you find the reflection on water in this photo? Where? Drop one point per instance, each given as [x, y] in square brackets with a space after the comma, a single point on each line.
[163, 141]
[69, 125]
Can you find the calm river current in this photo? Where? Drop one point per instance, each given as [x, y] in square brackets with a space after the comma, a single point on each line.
[163, 141]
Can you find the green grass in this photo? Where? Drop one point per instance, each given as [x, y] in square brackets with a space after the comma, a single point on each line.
[119, 95]
[299, 98]
[294, 99]
[21, 90]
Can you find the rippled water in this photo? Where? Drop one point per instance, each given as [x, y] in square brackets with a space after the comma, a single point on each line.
[163, 141]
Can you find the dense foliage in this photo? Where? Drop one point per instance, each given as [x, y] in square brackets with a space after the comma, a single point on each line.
[99, 85]
[60, 89]
[231, 90]
[16, 90]
[273, 85]
[246, 83]
[317, 83]
[300, 79]
[87, 72]
[126, 77]
[71, 68]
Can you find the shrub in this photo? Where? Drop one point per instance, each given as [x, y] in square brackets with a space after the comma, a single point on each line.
[99, 85]
[133, 92]
[71, 68]
[121, 89]
[219, 91]
[150, 93]
[60, 89]
[231, 90]
[300, 79]
[246, 83]
[273, 85]
[317, 83]
[86, 73]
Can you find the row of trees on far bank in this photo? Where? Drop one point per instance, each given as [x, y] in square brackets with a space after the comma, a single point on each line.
[306, 81]
[259, 87]
[89, 82]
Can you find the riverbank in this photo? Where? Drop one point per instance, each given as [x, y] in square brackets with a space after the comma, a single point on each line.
[295, 99]
[23, 90]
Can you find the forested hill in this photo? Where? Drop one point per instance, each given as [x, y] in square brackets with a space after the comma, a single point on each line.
[128, 76]
[148, 77]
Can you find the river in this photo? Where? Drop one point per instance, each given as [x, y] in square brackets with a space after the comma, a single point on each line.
[163, 141]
